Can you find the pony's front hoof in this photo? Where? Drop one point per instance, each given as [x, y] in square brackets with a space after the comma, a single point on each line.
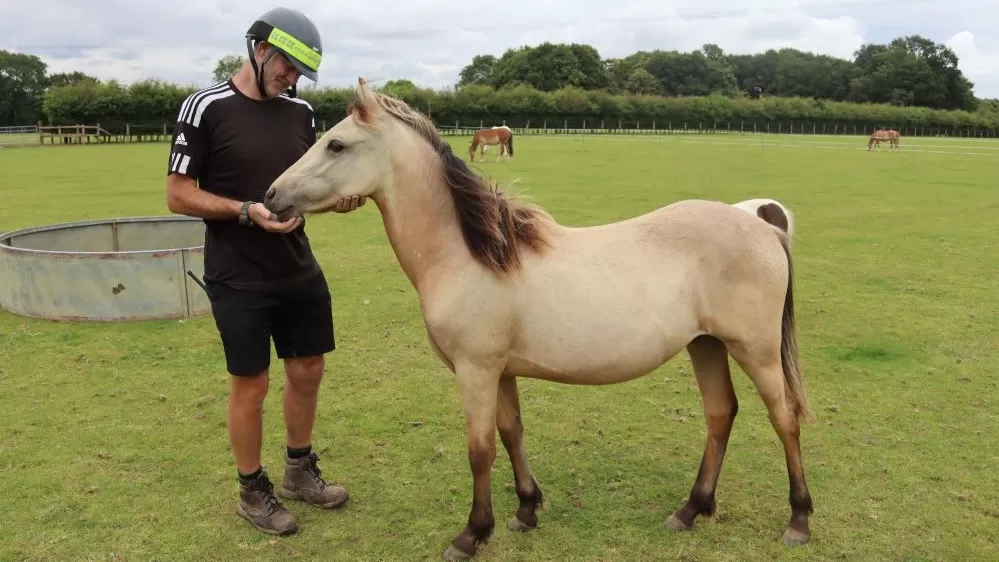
[794, 537]
[452, 554]
[515, 524]
[674, 523]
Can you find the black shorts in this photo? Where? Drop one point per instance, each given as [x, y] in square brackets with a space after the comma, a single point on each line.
[298, 318]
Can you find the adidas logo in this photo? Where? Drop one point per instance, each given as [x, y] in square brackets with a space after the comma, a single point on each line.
[181, 140]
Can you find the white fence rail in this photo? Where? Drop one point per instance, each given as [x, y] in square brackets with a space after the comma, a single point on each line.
[32, 135]
[20, 135]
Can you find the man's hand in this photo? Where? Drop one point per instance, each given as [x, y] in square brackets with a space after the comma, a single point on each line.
[268, 220]
[348, 204]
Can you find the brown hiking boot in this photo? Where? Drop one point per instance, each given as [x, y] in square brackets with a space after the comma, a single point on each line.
[258, 505]
[302, 481]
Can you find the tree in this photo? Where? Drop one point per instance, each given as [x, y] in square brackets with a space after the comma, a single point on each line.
[691, 74]
[22, 84]
[911, 70]
[621, 69]
[549, 67]
[69, 78]
[641, 82]
[399, 88]
[804, 74]
[226, 67]
[480, 71]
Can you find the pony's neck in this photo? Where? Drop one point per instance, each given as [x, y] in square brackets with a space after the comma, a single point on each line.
[421, 221]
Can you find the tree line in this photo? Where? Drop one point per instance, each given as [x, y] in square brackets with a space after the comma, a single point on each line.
[152, 104]
[570, 85]
[907, 71]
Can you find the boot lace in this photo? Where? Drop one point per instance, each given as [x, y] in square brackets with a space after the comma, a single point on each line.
[265, 489]
[309, 465]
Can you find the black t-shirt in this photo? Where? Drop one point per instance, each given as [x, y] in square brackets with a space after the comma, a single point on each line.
[235, 146]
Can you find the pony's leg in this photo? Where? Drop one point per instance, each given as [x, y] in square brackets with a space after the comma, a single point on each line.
[511, 430]
[710, 361]
[763, 365]
[479, 389]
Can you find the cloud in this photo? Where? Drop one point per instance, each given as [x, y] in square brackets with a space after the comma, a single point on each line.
[429, 41]
[981, 66]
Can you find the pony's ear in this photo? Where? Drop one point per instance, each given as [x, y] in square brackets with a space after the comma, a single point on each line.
[366, 105]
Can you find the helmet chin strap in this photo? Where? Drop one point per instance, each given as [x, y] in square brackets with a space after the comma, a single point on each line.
[258, 72]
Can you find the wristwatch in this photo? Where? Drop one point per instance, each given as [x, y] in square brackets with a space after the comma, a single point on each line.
[244, 213]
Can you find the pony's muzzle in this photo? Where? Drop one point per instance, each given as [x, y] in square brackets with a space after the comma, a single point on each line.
[283, 212]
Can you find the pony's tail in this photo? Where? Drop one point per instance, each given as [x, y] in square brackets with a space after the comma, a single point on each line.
[509, 144]
[778, 216]
[771, 212]
[789, 358]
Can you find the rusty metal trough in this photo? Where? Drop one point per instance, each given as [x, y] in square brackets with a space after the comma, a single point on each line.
[133, 268]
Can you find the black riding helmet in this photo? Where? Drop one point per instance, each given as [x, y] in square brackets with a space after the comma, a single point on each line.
[294, 35]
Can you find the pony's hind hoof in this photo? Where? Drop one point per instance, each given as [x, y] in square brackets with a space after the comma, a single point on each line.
[673, 523]
[515, 524]
[794, 537]
[452, 554]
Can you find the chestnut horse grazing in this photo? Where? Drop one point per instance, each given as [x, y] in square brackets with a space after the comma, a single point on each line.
[499, 135]
[505, 291]
[879, 135]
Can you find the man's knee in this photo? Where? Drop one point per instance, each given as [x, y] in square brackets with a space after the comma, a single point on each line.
[305, 370]
[251, 389]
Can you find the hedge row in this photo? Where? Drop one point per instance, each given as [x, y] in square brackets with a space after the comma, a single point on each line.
[154, 103]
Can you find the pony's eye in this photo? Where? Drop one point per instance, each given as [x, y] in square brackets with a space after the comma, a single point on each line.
[335, 146]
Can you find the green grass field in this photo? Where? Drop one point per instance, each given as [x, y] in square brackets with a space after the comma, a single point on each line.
[114, 444]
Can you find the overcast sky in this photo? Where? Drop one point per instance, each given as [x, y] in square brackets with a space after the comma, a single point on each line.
[180, 40]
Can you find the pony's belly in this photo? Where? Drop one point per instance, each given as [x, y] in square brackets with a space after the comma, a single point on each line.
[610, 363]
[603, 349]
[604, 325]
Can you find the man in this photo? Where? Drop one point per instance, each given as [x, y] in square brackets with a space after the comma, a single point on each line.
[230, 142]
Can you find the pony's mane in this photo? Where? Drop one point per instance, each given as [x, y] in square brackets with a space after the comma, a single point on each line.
[495, 225]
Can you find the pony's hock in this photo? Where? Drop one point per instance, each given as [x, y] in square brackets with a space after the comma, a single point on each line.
[135, 268]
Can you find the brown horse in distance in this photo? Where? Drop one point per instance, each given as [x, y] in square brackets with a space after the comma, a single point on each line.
[889, 135]
[500, 135]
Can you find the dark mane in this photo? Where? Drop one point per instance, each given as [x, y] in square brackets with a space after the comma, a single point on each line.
[496, 227]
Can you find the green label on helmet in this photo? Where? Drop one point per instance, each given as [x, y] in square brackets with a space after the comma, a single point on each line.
[295, 48]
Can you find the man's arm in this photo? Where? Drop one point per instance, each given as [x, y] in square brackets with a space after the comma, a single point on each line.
[186, 198]
[189, 145]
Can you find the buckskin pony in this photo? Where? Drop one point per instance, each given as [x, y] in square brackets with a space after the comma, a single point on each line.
[499, 135]
[506, 291]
